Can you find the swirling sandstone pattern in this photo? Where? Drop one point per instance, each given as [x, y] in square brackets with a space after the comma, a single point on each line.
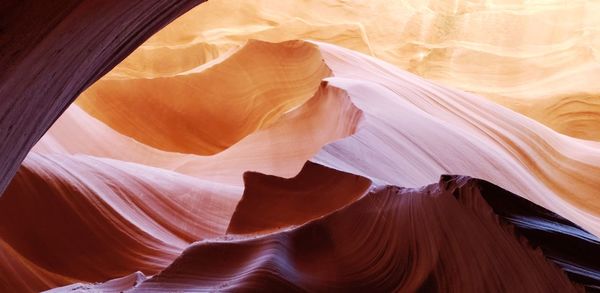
[210, 161]
[434, 130]
[211, 107]
[539, 58]
[434, 238]
[105, 218]
[54, 50]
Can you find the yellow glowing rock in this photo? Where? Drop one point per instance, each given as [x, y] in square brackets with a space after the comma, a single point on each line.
[209, 108]
[539, 58]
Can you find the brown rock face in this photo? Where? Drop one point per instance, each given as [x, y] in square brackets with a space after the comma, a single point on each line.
[281, 203]
[440, 238]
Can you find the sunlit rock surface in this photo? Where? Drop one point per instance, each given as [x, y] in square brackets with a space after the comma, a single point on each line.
[539, 58]
[303, 146]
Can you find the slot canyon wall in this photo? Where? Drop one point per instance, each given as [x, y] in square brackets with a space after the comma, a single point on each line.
[314, 145]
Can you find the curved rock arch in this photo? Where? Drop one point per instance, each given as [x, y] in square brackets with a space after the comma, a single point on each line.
[59, 49]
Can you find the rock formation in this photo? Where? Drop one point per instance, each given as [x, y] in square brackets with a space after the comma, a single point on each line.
[263, 146]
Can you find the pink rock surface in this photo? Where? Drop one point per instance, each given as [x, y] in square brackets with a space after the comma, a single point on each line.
[53, 51]
[291, 166]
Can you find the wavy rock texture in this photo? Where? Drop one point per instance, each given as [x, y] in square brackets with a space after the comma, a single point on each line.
[443, 237]
[420, 129]
[555, 171]
[209, 109]
[423, 130]
[414, 231]
[52, 51]
[554, 235]
[208, 161]
[146, 216]
[327, 116]
[539, 58]
[103, 219]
